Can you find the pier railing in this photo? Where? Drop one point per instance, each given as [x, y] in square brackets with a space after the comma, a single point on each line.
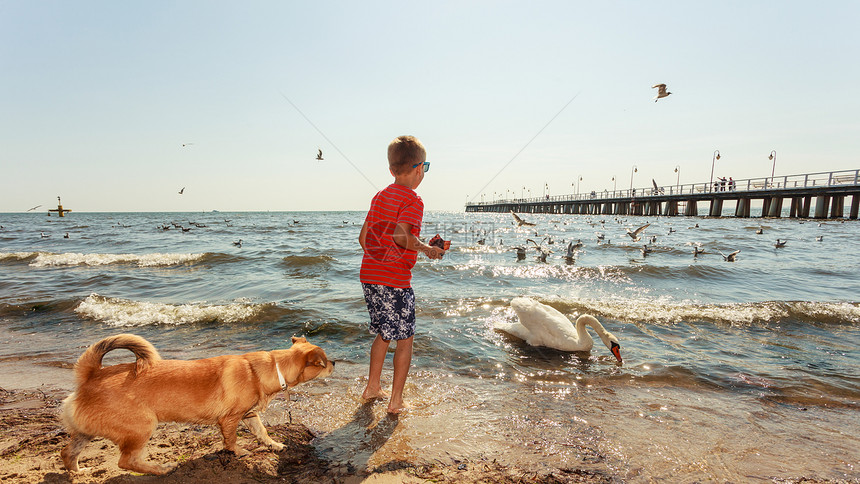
[806, 180]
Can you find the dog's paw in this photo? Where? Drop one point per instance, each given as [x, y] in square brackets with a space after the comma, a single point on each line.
[276, 446]
[240, 452]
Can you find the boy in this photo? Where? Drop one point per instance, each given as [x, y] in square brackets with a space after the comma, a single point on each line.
[390, 241]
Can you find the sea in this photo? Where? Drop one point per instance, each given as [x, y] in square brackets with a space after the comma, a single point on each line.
[733, 371]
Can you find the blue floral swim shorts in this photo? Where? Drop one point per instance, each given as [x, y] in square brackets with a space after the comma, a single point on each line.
[392, 311]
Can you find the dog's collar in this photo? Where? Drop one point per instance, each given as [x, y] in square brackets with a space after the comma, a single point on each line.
[281, 379]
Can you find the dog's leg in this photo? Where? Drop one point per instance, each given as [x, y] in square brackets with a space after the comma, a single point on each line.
[256, 425]
[71, 452]
[132, 456]
[229, 425]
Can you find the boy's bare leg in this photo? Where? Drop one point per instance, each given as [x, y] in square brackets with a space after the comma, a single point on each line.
[377, 358]
[402, 361]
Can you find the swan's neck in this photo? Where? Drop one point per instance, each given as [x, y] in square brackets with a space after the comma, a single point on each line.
[586, 320]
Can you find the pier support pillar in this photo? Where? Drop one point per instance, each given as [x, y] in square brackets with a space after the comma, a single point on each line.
[671, 209]
[822, 203]
[807, 205]
[775, 207]
[837, 208]
[743, 208]
[692, 209]
[855, 207]
[716, 208]
[796, 203]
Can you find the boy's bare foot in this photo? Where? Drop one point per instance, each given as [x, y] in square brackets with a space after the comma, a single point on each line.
[373, 393]
[396, 408]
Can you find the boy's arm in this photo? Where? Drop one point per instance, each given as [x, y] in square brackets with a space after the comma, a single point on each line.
[362, 237]
[404, 238]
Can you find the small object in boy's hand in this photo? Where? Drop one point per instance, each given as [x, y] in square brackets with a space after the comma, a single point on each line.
[437, 241]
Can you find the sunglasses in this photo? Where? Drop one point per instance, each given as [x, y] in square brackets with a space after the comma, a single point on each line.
[426, 166]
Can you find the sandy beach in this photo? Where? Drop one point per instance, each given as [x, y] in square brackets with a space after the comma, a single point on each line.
[31, 438]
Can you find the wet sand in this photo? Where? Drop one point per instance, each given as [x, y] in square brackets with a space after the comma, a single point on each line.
[31, 438]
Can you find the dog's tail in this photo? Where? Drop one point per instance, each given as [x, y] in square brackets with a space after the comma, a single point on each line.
[91, 361]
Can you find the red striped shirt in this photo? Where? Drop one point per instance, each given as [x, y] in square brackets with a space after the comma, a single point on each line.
[384, 261]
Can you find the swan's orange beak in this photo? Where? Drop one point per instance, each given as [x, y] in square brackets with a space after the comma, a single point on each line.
[616, 350]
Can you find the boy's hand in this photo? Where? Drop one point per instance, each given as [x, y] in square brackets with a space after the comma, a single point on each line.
[434, 252]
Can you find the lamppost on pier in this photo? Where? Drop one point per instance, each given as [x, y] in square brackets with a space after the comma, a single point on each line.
[773, 168]
[715, 158]
[632, 171]
[678, 180]
[546, 190]
[523, 193]
[614, 185]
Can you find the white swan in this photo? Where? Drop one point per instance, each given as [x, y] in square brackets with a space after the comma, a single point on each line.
[542, 325]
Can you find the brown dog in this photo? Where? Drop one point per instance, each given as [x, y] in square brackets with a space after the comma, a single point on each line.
[124, 403]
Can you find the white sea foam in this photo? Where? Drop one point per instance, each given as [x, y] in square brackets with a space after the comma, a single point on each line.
[126, 313]
[44, 259]
[737, 314]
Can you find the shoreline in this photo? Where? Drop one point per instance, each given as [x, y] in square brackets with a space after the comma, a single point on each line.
[32, 437]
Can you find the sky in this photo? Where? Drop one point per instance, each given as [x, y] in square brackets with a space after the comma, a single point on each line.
[97, 98]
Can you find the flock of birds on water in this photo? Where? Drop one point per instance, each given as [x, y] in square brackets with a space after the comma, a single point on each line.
[636, 235]
[542, 249]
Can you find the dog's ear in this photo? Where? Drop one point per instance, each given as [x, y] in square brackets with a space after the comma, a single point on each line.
[317, 358]
[299, 339]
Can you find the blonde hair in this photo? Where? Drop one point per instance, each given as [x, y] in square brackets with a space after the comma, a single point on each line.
[404, 152]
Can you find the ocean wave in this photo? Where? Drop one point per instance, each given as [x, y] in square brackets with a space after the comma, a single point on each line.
[664, 311]
[308, 260]
[127, 313]
[734, 314]
[15, 257]
[559, 269]
[48, 259]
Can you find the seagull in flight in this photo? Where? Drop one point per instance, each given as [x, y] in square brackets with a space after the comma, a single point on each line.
[34, 208]
[635, 233]
[572, 248]
[182, 191]
[319, 155]
[661, 91]
[542, 253]
[521, 222]
[731, 257]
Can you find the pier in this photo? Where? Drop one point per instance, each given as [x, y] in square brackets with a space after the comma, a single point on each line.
[811, 195]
